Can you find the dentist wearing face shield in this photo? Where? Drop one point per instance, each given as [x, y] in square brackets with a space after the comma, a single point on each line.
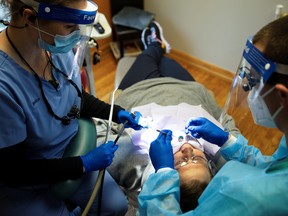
[41, 99]
[250, 183]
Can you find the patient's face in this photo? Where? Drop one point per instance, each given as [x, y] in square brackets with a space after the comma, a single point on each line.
[191, 163]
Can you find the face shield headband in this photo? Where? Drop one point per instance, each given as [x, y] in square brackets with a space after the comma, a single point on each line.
[255, 69]
[64, 14]
[64, 44]
[84, 18]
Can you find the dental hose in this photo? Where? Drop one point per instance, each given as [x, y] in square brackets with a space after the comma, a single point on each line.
[94, 193]
[100, 178]
[101, 174]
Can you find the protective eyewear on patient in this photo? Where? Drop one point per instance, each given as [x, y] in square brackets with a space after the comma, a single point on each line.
[196, 159]
[192, 141]
[180, 138]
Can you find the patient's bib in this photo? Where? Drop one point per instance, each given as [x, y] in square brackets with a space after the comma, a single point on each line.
[173, 118]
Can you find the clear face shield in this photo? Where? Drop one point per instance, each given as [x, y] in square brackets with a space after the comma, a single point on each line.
[72, 46]
[66, 53]
[3, 17]
[248, 97]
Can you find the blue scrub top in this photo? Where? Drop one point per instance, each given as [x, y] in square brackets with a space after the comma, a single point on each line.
[24, 115]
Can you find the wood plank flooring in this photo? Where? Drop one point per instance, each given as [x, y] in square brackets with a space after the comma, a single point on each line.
[104, 73]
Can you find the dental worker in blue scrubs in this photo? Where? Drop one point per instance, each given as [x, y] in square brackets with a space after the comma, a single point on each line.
[249, 183]
[41, 100]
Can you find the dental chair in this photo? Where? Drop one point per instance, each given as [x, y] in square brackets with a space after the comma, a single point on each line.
[83, 142]
[122, 68]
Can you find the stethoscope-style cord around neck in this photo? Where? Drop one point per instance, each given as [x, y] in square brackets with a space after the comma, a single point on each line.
[18, 53]
[34, 72]
[48, 106]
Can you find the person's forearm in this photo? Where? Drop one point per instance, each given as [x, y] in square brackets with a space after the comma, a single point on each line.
[238, 149]
[33, 172]
[16, 170]
[93, 107]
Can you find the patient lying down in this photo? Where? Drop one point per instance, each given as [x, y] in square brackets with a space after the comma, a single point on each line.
[192, 158]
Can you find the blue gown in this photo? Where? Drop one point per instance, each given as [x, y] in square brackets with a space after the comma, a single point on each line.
[257, 185]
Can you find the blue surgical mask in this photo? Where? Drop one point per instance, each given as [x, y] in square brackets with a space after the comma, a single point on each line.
[260, 112]
[63, 43]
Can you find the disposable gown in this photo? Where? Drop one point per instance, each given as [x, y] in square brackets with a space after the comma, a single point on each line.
[255, 186]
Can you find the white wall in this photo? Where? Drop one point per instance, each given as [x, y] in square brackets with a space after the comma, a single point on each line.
[212, 30]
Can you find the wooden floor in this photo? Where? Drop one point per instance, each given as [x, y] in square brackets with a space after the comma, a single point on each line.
[104, 73]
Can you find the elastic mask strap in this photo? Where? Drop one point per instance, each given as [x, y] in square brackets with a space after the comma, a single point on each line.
[268, 92]
[40, 30]
[277, 112]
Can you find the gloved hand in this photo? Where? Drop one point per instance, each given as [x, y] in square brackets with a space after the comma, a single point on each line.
[132, 119]
[100, 157]
[161, 152]
[203, 128]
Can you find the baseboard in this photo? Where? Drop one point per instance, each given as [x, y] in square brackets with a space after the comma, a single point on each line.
[193, 62]
[201, 65]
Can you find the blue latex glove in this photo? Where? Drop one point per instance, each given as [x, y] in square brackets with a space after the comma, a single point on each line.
[161, 152]
[100, 157]
[203, 128]
[132, 119]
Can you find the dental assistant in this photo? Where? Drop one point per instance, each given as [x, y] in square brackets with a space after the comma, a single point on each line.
[249, 183]
[41, 100]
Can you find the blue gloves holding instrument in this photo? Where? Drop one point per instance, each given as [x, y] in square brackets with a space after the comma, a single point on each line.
[161, 152]
[130, 120]
[203, 128]
[100, 157]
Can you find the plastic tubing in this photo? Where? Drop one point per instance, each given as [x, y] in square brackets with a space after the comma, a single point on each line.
[100, 177]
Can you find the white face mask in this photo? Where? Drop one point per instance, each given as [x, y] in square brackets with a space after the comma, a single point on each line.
[260, 112]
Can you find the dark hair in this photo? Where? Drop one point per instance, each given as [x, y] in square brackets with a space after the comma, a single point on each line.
[191, 190]
[274, 37]
[189, 194]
